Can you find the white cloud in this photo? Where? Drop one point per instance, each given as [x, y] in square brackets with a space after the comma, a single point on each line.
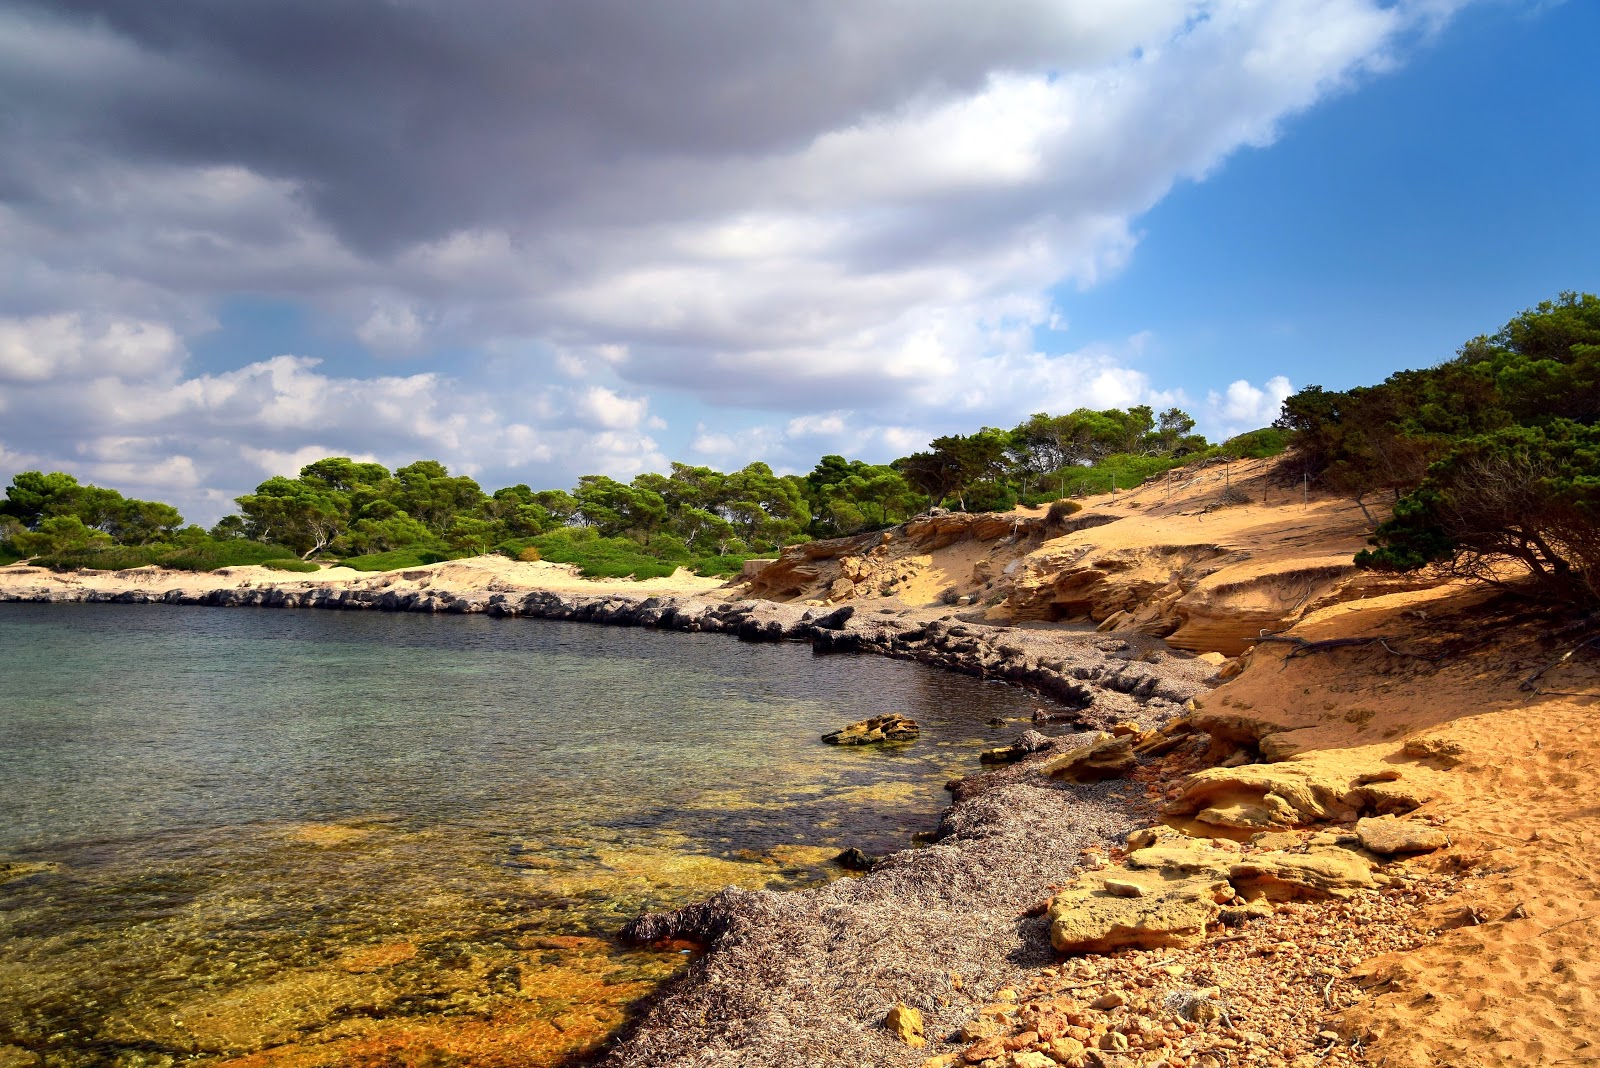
[607, 408]
[659, 218]
[43, 347]
[1244, 406]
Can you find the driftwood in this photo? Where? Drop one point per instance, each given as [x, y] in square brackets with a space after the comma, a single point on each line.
[1306, 648]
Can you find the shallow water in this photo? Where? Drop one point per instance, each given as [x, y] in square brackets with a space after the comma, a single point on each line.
[257, 837]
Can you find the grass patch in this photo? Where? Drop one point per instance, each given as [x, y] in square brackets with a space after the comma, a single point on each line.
[395, 560]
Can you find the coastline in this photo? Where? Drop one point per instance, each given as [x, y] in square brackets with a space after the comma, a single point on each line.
[802, 977]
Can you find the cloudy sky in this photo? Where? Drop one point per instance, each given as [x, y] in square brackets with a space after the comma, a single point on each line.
[535, 239]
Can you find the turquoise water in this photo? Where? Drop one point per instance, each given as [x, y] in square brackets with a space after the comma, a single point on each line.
[251, 836]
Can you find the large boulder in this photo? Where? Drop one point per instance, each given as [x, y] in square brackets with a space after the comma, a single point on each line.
[891, 727]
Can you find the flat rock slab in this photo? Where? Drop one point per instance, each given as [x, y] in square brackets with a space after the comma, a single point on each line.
[1388, 836]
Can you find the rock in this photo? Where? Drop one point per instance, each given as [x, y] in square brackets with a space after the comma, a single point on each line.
[1267, 796]
[1180, 891]
[1442, 751]
[1123, 888]
[943, 1060]
[906, 1024]
[1388, 836]
[1326, 871]
[1031, 1059]
[984, 1050]
[892, 727]
[1066, 1050]
[1106, 1002]
[1104, 758]
[854, 859]
[841, 588]
[1114, 1042]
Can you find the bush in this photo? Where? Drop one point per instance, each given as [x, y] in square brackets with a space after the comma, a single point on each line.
[529, 554]
[1260, 444]
[395, 560]
[719, 566]
[197, 555]
[1060, 510]
[8, 557]
[304, 567]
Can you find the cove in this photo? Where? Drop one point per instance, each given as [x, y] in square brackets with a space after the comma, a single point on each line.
[241, 837]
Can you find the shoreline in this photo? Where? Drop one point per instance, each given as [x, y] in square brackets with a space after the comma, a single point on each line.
[836, 957]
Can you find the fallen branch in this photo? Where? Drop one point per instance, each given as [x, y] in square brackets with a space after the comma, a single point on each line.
[1306, 648]
[1529, 683]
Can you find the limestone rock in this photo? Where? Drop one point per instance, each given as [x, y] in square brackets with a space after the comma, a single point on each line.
[1104, 758]
[1319, 872]
[1387, 835]
[1268, 796]
[891, 727]
[1178, 894]
[905, 1023]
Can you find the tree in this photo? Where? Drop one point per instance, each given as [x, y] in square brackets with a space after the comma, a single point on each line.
[1530, 494]
[59, 534]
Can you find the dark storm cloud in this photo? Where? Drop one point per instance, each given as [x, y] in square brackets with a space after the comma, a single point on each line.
[406, 120]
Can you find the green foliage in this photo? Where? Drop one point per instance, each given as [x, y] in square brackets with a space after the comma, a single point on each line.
[595, 555]
[1491, 456]
[204, 554]
[394, 560]
[34, 499]
[1527, 493]
[1260, 444]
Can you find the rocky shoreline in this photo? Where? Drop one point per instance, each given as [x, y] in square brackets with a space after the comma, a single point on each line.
[1099, 679]
[806, 977]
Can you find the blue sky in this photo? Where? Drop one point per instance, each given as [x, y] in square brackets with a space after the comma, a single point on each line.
[1387, 225]
[534, 240]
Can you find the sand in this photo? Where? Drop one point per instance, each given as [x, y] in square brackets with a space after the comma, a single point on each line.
[479, 574]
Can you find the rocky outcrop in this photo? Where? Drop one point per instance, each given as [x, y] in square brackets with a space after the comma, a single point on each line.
[889, 728]
[1292, 794]
[1167, 895]
[1320, 871]
[1104, 757]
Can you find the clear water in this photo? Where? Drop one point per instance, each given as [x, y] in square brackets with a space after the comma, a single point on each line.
[252, 836]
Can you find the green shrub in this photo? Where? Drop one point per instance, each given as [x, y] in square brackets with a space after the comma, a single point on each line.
[197, 555]
[304, 567]
[1260, 444]
[396, 560]
[8, 557]
[719, 566]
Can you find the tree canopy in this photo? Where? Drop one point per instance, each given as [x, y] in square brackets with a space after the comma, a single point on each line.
[1491, 456]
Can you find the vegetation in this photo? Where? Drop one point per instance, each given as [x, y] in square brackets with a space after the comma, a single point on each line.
[1493, 456]
[695, 517]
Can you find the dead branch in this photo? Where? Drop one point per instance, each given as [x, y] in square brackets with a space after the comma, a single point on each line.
[1530, 683]
[1306, 648]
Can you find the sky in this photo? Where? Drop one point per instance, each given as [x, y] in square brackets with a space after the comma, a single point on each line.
[536, 240]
